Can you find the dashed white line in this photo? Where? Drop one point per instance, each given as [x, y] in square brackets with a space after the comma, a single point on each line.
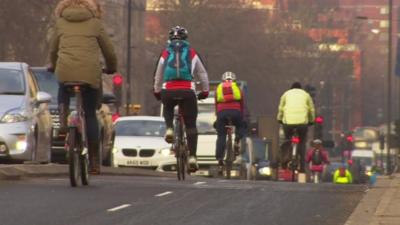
[118, 208]
[163, 194]
[199, 183]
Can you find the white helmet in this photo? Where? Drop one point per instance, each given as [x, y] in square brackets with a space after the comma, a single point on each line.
[228, 76]
[317, 141]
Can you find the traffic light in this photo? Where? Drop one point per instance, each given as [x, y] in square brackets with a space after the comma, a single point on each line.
[117, 89]
[349, 142]
[319, 120]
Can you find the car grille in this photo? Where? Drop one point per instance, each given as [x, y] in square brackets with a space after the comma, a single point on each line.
[55, 118]
[129, 152]
[146, 152]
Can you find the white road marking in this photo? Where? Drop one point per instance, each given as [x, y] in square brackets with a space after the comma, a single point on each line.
[163, 194]
[118, 208]
[199, 183]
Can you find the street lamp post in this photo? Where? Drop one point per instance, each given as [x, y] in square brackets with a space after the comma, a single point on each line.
[389, 86]
[128, 58]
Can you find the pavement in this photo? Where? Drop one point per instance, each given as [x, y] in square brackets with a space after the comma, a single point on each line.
[20, 171]
[380, 205]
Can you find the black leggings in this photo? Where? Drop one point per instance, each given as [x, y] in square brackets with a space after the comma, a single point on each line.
[90, 97]
[188, 103]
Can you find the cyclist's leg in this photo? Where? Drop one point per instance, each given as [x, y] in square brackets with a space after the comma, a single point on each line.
[169, 103]
[189, 107]
[302, 131]
[240, 129]
[89, 97]
[221, 138]
[63, 106]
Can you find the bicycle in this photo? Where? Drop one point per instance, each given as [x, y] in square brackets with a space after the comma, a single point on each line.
[76, 140]
[230, 158]
[294, 160]
[179, 146]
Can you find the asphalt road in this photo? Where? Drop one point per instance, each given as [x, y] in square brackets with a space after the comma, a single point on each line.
[111, 200]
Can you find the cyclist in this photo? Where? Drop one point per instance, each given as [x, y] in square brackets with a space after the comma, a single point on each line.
[77, 41]
[173, 85]
[342, 176]
[228, 104]
[317, 157]
[296, 111]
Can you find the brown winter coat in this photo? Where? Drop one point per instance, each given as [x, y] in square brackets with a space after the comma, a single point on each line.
[78, 40]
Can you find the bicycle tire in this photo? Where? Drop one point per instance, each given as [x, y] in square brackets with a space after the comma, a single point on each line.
[229, 157]
[183, 162]
[73, 157]
[84, 166]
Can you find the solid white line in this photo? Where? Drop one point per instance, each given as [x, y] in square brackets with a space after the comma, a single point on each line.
[118, 208]
[199, 183]
[163, 194]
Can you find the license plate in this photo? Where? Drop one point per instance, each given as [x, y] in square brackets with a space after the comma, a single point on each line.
[132, 162]
[144, 163]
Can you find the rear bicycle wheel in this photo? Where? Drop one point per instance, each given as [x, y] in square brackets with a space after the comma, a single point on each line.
[229, 157]
[73, 157]
[84, 166]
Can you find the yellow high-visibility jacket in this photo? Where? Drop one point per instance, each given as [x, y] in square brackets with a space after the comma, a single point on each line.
[296, 107]
[348, 179]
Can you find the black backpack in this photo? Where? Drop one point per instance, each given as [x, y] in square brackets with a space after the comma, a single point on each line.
[317, 157]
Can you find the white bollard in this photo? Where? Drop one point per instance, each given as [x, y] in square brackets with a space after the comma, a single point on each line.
[301, 178]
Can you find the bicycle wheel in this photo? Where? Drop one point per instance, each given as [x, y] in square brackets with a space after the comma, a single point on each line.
[84, 164]
[229, 157]
[294, 163]
[73, 157]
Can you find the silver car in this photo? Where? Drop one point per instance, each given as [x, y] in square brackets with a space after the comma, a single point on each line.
[25, 122]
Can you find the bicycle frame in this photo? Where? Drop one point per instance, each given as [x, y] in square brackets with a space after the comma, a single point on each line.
[77, 118]
[180, 145]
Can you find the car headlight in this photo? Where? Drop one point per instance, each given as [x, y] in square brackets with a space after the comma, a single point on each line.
[14, 116]
[115, 150]
[265, 171]
[166, 152]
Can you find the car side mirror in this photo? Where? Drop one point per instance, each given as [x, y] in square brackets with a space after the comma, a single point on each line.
[109, 98]
[328, 144]
[43, 97]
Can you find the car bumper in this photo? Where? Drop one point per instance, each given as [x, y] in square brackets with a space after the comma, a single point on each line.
[153, 162]
[14, 140]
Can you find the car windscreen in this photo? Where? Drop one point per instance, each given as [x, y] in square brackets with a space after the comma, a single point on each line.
[140, 128]
[48, 83]
[364, 161]
[11, 82]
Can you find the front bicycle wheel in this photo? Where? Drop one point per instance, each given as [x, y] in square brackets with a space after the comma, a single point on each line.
[73, 156]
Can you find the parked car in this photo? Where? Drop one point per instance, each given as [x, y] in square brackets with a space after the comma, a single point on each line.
[139, 142]
[48, 82]
[25, 122]
[255, 159]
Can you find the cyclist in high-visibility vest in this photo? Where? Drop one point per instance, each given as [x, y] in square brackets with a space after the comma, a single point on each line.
[228, 104]
[342, 176]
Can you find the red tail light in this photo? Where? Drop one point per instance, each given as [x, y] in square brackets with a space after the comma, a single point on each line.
[115, 116]
[295, 140]
[319, 120]
[350, 138]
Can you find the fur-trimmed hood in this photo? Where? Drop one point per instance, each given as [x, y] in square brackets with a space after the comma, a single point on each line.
[91, 5]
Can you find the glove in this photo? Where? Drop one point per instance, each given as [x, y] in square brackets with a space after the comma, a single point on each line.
[157, 95]
[310, 123]
[280, 122]
[215, 124]
[202, 95]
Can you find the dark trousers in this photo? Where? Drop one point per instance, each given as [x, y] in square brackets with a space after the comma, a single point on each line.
[90, 97]
[302, 132]
[187, 101]
[222, 120]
